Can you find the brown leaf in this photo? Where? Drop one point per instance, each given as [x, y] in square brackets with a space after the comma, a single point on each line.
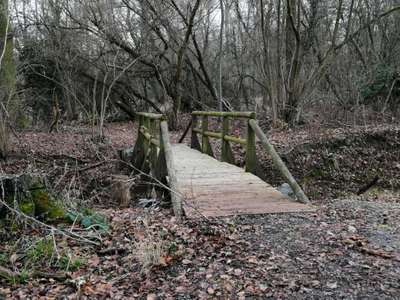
[94, 261]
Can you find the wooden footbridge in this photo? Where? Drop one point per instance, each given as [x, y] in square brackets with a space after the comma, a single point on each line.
[201, 185]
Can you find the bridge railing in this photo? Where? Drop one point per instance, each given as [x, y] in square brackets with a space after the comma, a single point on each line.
[253, 130]
[224, 135]
[148, 143]
[152, 153]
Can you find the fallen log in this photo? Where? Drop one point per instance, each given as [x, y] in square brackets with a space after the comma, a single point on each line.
[369, 185]
[28, 194]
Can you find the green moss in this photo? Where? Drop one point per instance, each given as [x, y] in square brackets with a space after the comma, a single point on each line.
[42, 201]
[46, 206]
[27, 207]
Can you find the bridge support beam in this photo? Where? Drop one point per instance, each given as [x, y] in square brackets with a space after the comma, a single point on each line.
[176, 197]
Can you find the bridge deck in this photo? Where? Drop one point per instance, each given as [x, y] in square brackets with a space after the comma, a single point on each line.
[213, 188]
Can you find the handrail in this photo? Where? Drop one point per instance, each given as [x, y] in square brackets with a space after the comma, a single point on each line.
[173, 180]
[226, 151]
[216, 135]
[237, 114]
[153, 153]
[280, 165]
[150, 115]
[253, 130]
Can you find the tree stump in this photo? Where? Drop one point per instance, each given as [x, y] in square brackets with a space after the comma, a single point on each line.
[121, 190]
[28, 195]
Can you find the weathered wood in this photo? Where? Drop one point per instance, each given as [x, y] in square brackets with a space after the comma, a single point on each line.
[28, 194]
[160, 171]
[278, 162]
[138, 152]
[153, 148]
[194, 143]
[210, 187]
[218, 135]
[224, 144]
[170, 162]
[213, 188]
[205, 141]
[121, 189]
[150, 115]
[149, 137]
[207, 133]
[367, 186]
[145, 167]
[235, 140]
[238, 114]
[251, 159]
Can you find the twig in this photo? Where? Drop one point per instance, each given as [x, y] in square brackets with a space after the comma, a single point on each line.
[51, 228]
[96, 165]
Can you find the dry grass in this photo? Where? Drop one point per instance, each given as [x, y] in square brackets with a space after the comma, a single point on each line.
[150, 252]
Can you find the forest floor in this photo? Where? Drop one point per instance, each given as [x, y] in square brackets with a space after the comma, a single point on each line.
[349, 248]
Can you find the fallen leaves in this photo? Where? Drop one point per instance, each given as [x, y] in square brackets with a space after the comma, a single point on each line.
[328, 254]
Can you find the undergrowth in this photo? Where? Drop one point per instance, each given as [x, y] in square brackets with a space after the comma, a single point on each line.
[24, 254]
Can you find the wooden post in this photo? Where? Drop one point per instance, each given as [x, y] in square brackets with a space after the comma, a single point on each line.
[278, 162]
[226, 151]
[145, 167]
[205, 141]
[204, 128]
[195, 144]
[173, 181]
[251, 159]
[153, 148]
[161, 171]
[138, 149]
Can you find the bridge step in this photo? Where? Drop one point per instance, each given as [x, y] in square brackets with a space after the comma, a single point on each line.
[212, 188]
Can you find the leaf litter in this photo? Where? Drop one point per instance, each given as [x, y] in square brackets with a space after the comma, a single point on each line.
[349, 248]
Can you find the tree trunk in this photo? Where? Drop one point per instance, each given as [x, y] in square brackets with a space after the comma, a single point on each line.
[177, 101]
[7, 78]
[292, 63]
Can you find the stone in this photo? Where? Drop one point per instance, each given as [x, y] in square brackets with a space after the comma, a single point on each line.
[286, 190]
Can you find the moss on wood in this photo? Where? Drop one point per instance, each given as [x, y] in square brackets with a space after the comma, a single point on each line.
[30, 196]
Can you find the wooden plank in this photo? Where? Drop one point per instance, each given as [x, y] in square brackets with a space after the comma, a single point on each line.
[170, 161]
[212, 188]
